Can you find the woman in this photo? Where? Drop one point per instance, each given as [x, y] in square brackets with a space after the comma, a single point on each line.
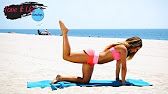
[121, 52]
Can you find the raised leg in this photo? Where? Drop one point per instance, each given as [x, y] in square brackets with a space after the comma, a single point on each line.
[79, 57]
[66, 45]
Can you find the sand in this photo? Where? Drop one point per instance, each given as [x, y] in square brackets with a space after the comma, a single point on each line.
[26, 58]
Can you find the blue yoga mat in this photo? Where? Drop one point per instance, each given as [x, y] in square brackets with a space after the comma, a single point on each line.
[92, 83]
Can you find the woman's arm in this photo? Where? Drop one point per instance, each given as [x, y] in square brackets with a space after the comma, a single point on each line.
[118, 71]
[124, 67]
[122, 61]
[124, 72]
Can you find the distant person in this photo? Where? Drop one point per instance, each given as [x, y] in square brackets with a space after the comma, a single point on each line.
[39, 32]
[121, 52]
[45, 32]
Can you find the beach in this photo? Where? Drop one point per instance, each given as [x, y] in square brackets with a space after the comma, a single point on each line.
[25, 58]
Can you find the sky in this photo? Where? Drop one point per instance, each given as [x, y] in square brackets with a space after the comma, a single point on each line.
[93, 14]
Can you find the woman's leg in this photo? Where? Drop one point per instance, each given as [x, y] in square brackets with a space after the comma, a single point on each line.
[76, 58]
[80, 57]
[87, 71]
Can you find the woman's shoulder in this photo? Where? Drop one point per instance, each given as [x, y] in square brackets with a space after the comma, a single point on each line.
[121, 48]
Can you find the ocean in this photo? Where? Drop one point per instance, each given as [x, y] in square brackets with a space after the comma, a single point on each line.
[157, 34]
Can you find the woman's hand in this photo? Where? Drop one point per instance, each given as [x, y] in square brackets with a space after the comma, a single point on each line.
[123, 83]
[117, 79]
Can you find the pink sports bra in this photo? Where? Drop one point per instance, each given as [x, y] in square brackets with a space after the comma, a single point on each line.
[115, 54]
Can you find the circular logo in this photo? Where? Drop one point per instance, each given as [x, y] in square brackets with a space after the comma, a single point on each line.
[37, 14]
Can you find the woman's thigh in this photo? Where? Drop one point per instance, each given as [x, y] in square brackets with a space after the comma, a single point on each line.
[77, 57]
[87, 71]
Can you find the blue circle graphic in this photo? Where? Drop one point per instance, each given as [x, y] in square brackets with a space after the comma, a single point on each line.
[37, 14]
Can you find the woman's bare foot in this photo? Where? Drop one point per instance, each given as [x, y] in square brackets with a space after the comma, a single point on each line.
[64, 29]
[57, 79]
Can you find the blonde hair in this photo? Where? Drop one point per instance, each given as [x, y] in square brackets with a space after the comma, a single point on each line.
[132, 42]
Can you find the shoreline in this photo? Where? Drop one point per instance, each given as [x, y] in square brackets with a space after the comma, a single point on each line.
[77, 36]
[156, 34]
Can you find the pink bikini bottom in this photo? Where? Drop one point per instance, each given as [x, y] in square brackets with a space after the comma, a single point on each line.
[93, 57]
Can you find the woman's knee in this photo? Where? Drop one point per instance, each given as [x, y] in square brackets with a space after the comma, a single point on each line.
[85, 81]
[82, 80]
[66, 57]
